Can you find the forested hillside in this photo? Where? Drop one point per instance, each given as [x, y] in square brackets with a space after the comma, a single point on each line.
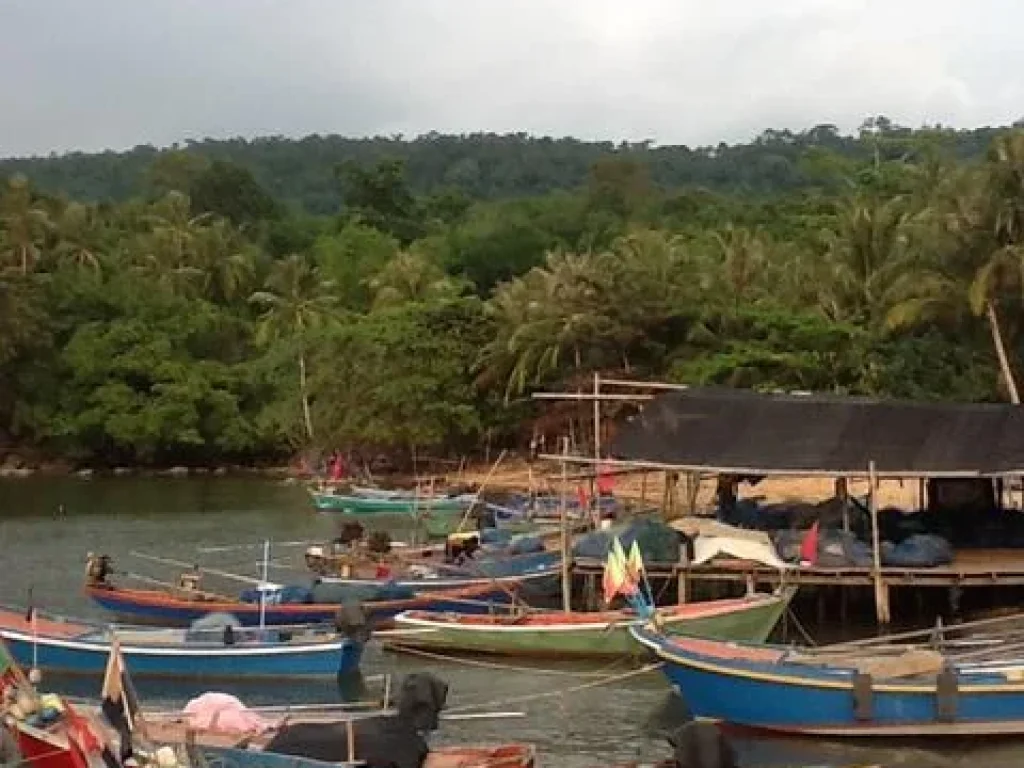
[236, 301]
[482, 166]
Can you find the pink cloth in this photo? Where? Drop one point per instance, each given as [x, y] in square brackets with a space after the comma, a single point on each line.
[223, 713]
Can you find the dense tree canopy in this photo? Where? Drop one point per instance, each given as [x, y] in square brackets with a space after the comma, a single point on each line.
[234, 301]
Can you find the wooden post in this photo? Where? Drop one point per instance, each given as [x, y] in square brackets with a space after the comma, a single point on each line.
[693, 491]
[643, 490]
[564, 521]
[597, 451]
[350, 734]
[881, 589]
[843, 494]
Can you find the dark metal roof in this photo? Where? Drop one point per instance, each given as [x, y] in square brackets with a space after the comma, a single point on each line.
[744, 431]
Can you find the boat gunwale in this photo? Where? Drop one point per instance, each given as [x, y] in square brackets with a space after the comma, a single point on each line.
[794, 674]
[447, 620]
[153, 598]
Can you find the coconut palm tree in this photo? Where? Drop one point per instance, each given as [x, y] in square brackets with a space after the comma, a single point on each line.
[868, 248]
[79, 231]
[294, 301]
[25, 225]
[976, 255]
[411, 276]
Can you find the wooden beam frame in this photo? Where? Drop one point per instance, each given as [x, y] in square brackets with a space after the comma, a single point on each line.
[657, 466]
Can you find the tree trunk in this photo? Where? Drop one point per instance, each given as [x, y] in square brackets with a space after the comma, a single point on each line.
[1004, 362]
[305, 396]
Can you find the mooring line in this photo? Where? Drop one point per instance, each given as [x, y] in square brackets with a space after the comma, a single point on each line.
[551, 694]
[500, 666]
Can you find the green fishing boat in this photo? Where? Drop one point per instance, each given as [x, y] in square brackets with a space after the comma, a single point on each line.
[589, 635]
[359, 505]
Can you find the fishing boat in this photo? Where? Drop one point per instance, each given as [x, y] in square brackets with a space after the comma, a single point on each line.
[47, 731]
[358, 504]
[68, 646]
[508, 562]
[494, 756]
[587, 635]
[874, 688]
[147, 606]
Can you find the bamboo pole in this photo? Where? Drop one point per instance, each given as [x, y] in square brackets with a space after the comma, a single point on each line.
[639, 465]
[350, 734]
[564, 521]
[597, 451]
[881, 590]
[588, 396]
[632, 383]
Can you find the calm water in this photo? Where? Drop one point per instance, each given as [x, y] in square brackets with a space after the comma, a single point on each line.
[176, 518]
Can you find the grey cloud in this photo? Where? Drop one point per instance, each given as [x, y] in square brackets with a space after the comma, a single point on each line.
[115, 73]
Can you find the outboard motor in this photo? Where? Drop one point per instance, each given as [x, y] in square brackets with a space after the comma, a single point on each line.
[485, 517]
[350, 532]
[421, 698]
[381, 742]
[352, 622]
[379, 543]
[700, 744]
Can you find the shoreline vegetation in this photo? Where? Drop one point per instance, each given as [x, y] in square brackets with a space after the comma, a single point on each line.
[516, 475]
[240, 303]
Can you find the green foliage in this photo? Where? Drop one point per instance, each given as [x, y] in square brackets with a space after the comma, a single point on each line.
[230, 190]
[401, 377]
[241, 300]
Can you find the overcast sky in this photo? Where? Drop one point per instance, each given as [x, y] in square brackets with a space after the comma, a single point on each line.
[95, 74]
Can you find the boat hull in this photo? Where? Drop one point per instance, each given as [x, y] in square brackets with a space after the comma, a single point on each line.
[606, 636]
[70, 656]
[359, 506]
[149, 607]
[746, 686]
[499, 756]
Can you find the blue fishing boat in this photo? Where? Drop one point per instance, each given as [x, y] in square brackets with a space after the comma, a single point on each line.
[68, 646]
[143, 606]
[851, 690]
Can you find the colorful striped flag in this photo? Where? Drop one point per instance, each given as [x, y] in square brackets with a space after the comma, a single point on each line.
[614, 577]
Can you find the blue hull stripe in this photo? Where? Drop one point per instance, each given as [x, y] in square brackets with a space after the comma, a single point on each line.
[192, 661]
[794, 697]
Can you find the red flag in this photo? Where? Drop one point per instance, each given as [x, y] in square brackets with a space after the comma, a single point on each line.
[809, 546]
[581, 495]
[337, 468]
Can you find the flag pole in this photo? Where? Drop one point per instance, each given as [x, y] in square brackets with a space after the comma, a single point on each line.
[263, 585]
[34, 675]
[564, 529]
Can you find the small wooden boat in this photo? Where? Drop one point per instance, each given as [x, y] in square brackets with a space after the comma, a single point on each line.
[865, 689]
[461, 563]
[436, 575]
[76, 647]
[359, 505]
[588, 635]
[164, 608]
[497, 756]
[47, 730]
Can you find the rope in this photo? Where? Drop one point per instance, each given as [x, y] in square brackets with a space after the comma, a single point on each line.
[497, 665]
[550, 694]
[791, 614]
[32, 760]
